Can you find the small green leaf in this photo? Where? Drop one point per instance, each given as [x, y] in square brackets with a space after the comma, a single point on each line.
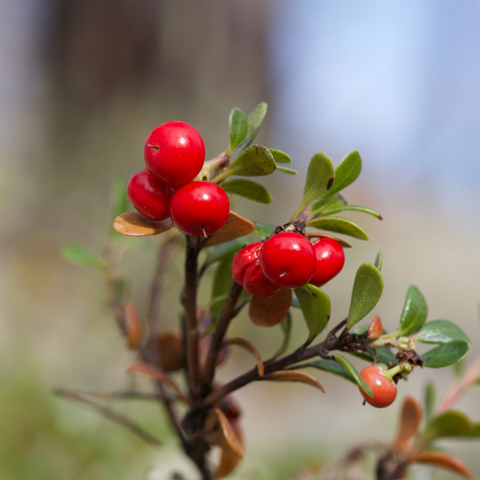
[330, 366]
[446, 354]
[252, 162]
[320, 176]
[224, 250]
[248, 189]
[264, 229]
[353, 371]
[288, 171]
[379, 261]
[338, 225]
[351, 208]
[315, 306]
[347, 171]
[221, 285]
[279, 156]
[286, 325]
[440, 331]
[82, 256]
[473, 432]
[238, 123]
[449, 424]
[255, 118]
[384, 355]
[367, 290]
[414, 312]
[118, 203]
[327, 203]
[429, 399]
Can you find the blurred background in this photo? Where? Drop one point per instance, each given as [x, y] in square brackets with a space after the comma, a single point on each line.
[82, 83]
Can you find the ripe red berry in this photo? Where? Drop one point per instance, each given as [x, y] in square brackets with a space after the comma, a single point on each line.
[330, 261]
[243, 259]
[199, 208]
[288, 260]
[384, 390]
[149, 196]
[256, 283]
[174, 152]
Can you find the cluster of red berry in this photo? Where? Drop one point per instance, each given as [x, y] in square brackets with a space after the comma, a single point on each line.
[174, 155]
[286, 260]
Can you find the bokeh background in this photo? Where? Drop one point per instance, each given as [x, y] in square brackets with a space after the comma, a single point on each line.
[82, 82]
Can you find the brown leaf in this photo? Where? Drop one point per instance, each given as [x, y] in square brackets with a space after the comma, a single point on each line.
[171, 351]
[375, 329]
[134, 224]
[229, 462]
[235, 227]
[133, 325]
[410, 419]
[158, 374]
[222, 433]
[443, 460]
[270, 311]
[241, 342]
[294, 376]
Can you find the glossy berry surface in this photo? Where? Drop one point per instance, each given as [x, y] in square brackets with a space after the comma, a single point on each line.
[330, 261]
[149, 196]
[256, 283]
[384, 390]
[243, 259]
[174, 152]
[199, 208]
[288, 260]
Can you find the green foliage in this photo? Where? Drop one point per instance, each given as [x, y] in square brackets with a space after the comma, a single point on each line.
[82, 256]
[354, 373]
[350, 208]
[367, 290]
[288, 171]
[248, 189]
[449, 424]
[330, 366]
[221, 285]
[329, 202]
[252, 162]
[286, 325]
[347, 171]
[339, 225]
[378, 261]
[238, 126]
[316, 308]
[264, 229]
[279, 156]
[414, 312]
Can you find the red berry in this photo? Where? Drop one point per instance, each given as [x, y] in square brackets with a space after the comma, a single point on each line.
[288, 260]
[174, 152]
[243, 259]
[149, 196]
[256, 283]
[199, 208]
[330, 261]
[384, 390]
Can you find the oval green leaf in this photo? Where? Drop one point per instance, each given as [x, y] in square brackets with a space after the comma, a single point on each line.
[353, 371]
[383, 355]
[330, 366]
[82, 256]
[449, 424]
[328, 202]
[339, 225]
[379, 261]
[264, 229]
[367, 290]
[221, 285]
[347, 171]
[279, 156]
[440, 331]
[248, 189]
[316, 308]
[320, 177]
[351, 208]
[414, 312]
[252, 162]
[255, 118]
[286, 325]
[288, 171]
[446, 354]
[238, 123]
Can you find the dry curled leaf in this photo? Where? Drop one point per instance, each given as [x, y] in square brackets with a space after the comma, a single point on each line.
[221, 433]
[133, 325]
[134, 224]
[375, 329]
[229, 462]
[235, 227]
[443, 460]
[294, 376]
[270, 311]
[158, 374]
[241, 342]
[410, 419]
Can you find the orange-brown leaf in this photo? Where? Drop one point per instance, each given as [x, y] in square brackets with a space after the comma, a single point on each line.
[171, 351]
[134, 224]
[133, 325]
[410, 419]
[158, 374]
[375, 329]
[270, 311]
[235, 227]
[294, 376]
[221, 433]
[443, 460]
[229, 462]
[241, 342]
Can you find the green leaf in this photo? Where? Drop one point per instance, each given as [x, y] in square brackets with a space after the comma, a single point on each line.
[264, 229]
[279, 156]
[320, 176]
[367, 290]
[248, 189]
[414, 312]
[473, 432]
[118, 203]
[353, 371]
[252, 162]
[384, 355]
[82, 256]
[255, 118]
[330, 366]
[238, 123]
[440, 331]
[347, 171]
[221, 285]
[286, 325]
[379, 261]
[429, 399]
[223, 250]
[449, 424]
[327, 202]
[339, 225]
[351, 208]
[446, 354]
[288, 171]
[315, 306]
